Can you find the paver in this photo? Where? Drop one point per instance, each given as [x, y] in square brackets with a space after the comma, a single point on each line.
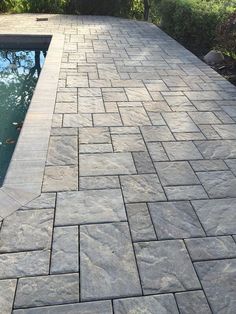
[211, 248]
[89, 206]
[172, 272]
[217, 216]
[160, 304]
[193, 302]
[142, 188]
[7, 293]
[140, 222]
[103, 307]
[65, 255]
[27, 230]
[175, 220]
[218, 279]
[107, 248]
[176, 173]
[139, 182]
[47, 290]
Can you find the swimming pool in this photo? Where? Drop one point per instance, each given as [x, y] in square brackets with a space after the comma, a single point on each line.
[19, 73]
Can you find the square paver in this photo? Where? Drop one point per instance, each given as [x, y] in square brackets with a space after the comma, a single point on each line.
[142, 188]
[160, 304]
[106, 164]
[108, 267]
[218, 279]
[89, 206]
[47, 290]
[176, 173]
[217, 216]
[128, 143]
[165, 266]
[137, 94]
[182, 151]
[180, 122]
[27, 230]
[156, 133]
[134, 116]
[174, 220]
[90, 105]
[99, 135]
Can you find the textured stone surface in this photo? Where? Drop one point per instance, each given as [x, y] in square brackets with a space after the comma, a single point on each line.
[193, 302]
[142, 188]
[27, 230]
[176, 173]
[89, 207]
[45, 200]
[218, 279]
[128, 143]
[218, 183]
[182, 151]
[62, 150]
[171, 273]
[180, 122]
[65, 255]
[100, 182]
[14, 265]
[160, 304]
[185, 192]
[7, 293]
[219, 149]
[103, 307]
[47, 290]
[108, 266]
[140, 222]
[156, 133]
[175, 220]
[94, 135]
[106, 164]
[143, 162]
[157, 151]
[211, 248]
[217, 216]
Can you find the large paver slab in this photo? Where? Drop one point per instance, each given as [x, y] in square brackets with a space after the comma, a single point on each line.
[218, 149]
[182, 150]
[217, 216]
[108, 267]
[106, 164]
[180, 122]
[27, 230]
[175, 220]
[7, 293]
[172, 272]
[47, 290]
[160, 304]
[99, 135]
[103, 307]
[89, 206]
[218, 279]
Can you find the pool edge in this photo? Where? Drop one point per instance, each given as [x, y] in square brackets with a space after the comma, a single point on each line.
[23, 181]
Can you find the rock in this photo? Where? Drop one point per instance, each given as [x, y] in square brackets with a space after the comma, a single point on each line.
[214, 57]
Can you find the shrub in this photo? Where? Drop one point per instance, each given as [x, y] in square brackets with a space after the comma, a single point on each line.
[194, 22]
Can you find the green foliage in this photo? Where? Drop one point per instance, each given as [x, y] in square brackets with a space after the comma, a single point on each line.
[104, 7]
[194, 22]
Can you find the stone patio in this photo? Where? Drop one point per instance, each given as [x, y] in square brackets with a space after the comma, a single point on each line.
[138, 206]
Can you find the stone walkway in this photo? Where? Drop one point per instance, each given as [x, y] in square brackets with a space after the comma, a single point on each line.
[138, 206]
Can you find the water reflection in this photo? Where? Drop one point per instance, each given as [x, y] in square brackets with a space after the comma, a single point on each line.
[19, 72]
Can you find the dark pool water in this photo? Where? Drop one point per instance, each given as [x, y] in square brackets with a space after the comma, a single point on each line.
[19, 72]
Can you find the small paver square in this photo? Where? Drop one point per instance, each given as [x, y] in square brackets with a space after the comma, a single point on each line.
[193, 302]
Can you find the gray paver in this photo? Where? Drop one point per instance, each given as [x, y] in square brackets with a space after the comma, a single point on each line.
[134, 116]
[156, 133]
[99, 182]
[140, 222]
[160, 304]
[44, 201]
[143, 163]
[142, 188]
[47, 290]
[193, 302]
[7, 293]
[181, 150]
[103, 307]
[21, 264]
[99, 135]
[176, 173]
[172, 272]
[89, 206]
[106, 164]
[185, 192]
[65, 255]
[180, 122]
[107, 262]
[175, 220]
[219, 149]
[217, 216]
[211, 248]
[157, 151]
[128, 143]
[27, 230]
[219, 283]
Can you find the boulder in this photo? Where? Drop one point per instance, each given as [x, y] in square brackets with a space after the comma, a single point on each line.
[214, 57]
